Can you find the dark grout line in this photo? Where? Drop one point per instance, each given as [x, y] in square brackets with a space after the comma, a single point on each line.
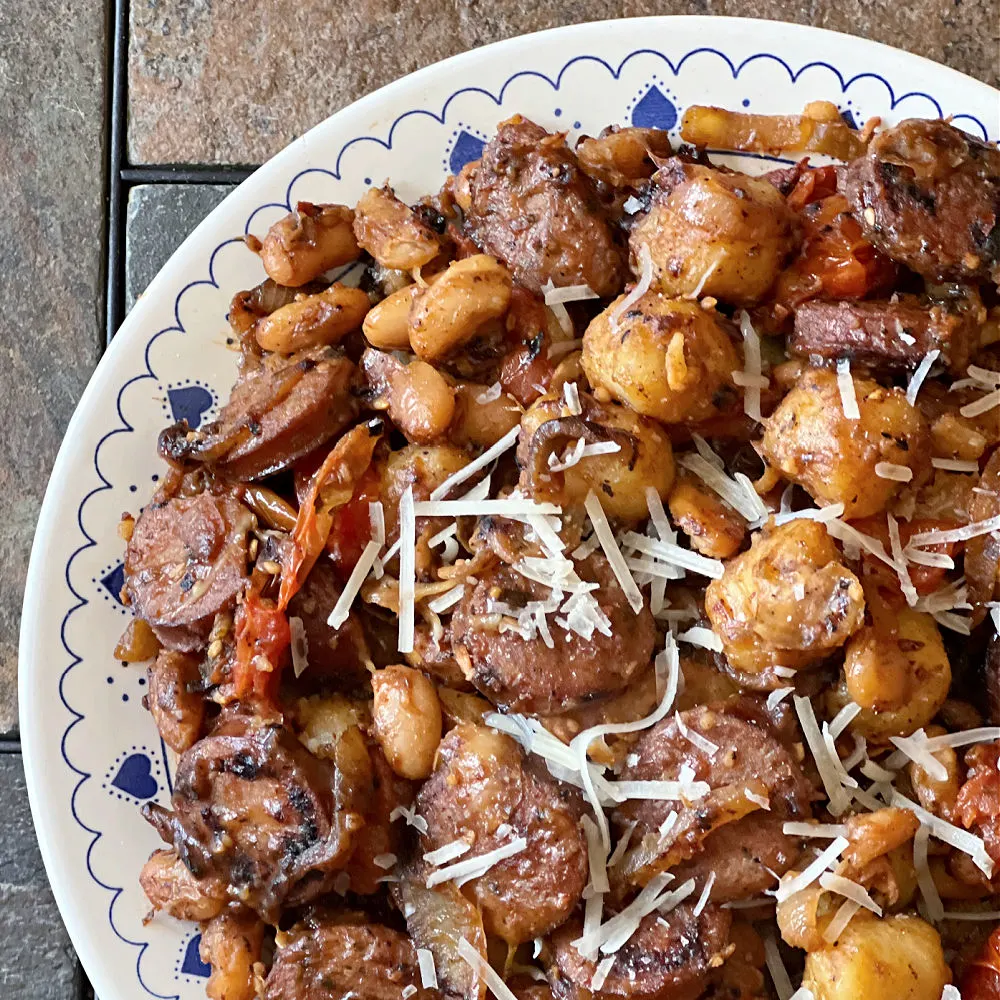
[185, 175]
[114, 299]
[10, 745]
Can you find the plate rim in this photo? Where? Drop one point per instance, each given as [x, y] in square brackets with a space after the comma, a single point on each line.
[33, 731]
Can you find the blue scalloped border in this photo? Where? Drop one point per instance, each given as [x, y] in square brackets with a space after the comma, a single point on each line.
[178, 327]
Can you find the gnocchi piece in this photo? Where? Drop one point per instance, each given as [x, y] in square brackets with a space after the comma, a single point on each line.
[550, 438]
[789, 601]
[232, 944]
[407, 719]
[900, 681]
[174, 700]
[724, 235]
[448, 314]
[896, 956]
[713, 527]
[811, 441]
[313, 320]
[307, 242]
[668, 359]
[393, 233]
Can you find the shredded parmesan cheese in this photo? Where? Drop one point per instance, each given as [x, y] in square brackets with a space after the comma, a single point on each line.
[428, 971]
[447, 600]
[752, 369]
[462, 871]
[447, 853]
[777, 696]
[919, 375]
[955, 465]
[779, 974]
[789, 885]
[490, 394]
[698, 635]
[890, 470]
[571, 394]
[845, 384]
[300, 646]
[828, 769]
[567, 293]
[706, 892]
[504, 444]
[960, 839]
[850, 890]
[982, 405]
[384, 861]
[973, 530]
[695, 738]
[614, 555]
[412, 817]
[824, 831]
[342, 609]
[841, 919]
[932, 899]
[407, 570]
[641, 287]
[844, 718]
[484, 970]
[896, 548]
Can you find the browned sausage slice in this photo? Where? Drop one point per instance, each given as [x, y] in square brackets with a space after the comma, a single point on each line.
[537, 211]
[890, 335]
[524, 675]
[276, 414]
[343, 957]
[485, 792]
[749, 762]
[669, 957]
[928, 196]
[254, 808]
[186, 561]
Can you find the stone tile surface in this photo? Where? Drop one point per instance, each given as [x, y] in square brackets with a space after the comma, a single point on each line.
[51, 173]
[233, 81]
[159, 218]
[37, 959]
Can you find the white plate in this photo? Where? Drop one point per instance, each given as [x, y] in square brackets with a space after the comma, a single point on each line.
[92, 755]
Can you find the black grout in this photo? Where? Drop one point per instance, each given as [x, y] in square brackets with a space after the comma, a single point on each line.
[10, 745]
[114, 301]
[185, 174]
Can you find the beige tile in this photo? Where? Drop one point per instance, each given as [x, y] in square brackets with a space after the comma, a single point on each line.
[233, 81]
[51, 174]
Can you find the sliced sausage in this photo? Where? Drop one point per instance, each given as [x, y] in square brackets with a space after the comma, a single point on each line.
[928, 195]
[537, 211]
[669, 957]
[185, 562]
[177, 707]
[485, 792]
[252, 807]
[892, 335]
[524, 675]
[337, 657]
[343, 957]
[750, 762]
[276, 414]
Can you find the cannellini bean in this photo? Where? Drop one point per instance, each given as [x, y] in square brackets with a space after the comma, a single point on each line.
[307, 242]
[407, 720]
[421, 402]
[313, 320]
[448, 313]
[387, 325]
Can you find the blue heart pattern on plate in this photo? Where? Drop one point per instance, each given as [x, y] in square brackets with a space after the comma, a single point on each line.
[191, 963]
[467, 148]
[135, 777]
[190, 403]
[654, 110]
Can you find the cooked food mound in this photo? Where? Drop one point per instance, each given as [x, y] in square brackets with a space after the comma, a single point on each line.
[590, 589]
